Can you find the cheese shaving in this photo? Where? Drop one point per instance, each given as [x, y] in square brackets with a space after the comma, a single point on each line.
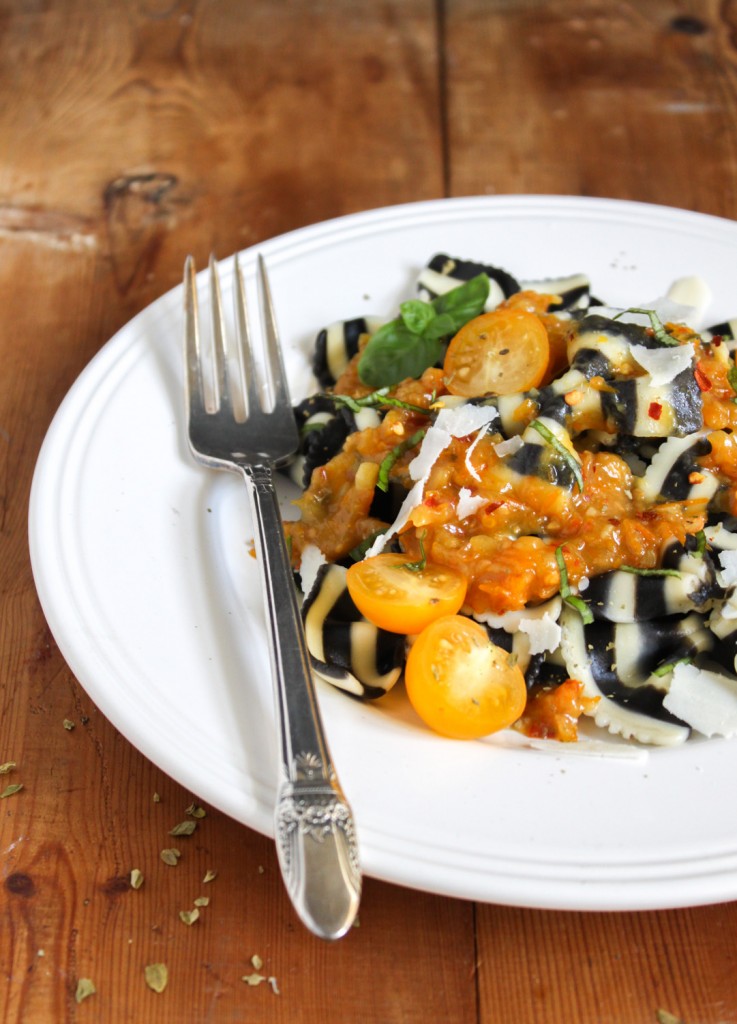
[705, 700]
[663, 364]
[543, 633]
[451, 422]
[468, 503]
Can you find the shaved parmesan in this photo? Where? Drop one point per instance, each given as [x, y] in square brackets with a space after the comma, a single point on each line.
[312, 559]
[509, 446]
[512, 621]
[544, 633]
[468, 503]
[705, 700]
[465, 419]
[451, 422]
[663, 364]
[728, 565]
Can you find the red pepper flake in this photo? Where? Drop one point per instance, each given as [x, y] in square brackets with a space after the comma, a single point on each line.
[431, 501]
[492, 507]
[702, 380]
[695, 478]
[655, 410]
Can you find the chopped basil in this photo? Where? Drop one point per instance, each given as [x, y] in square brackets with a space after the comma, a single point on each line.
[394, 455]
[700, 544]
[421, 562]
[378, 398]
[561, 449]
[659, 330]
[360, 550]
[667, 668]
[732, 380]
[649, 572]
[565, 591]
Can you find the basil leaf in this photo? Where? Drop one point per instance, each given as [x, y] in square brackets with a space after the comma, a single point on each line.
[464, 302]
[395, 353]
[417, 315]
[440, 327]
[408, 345]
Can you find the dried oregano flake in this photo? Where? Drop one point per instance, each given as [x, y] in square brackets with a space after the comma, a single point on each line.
[210, 875]
[170, 857]
[11, 790]
[184, 828]
[189, 916]
[85, 988]
[253, 979]
[7, 767]
[157, 976]
[195, 811]
[202, 901]
[68, 724]
[136, 879]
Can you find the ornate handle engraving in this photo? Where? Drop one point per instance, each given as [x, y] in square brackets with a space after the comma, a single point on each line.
[316, 843]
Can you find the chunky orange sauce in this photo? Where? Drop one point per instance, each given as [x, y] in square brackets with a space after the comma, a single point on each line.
[507, 547]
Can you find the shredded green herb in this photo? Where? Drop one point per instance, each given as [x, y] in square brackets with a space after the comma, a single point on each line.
[561, 449]
[360, 550]
[667, 668]
[565, 591]
[394, 455]
[377, 399]
[421, 562]
[658, 328]
[649, 572]
[732, 380]
[700, 544]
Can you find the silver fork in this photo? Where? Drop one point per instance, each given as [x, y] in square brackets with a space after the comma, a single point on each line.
[232, 427]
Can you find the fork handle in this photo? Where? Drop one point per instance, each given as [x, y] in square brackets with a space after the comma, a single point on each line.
[315, 836]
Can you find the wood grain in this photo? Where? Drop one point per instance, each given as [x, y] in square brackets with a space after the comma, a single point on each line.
[133, 133]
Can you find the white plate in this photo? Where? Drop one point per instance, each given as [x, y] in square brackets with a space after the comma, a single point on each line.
[142, 565]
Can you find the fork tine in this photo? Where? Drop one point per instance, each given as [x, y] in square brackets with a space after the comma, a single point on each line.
[245, 352]
[274, 360]
[195, 388]
[219, 336]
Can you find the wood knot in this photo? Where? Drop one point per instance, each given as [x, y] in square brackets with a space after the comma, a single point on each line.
[688, 25]
[115, 885]
[20, 884]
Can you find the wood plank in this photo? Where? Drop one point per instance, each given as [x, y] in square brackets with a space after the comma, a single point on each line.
[607, 968]
[130, 135]
[625, 100]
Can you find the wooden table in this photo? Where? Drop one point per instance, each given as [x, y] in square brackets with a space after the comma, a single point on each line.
[134, 132]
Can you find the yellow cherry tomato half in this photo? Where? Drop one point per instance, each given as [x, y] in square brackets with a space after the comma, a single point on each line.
[460, 683]
[402, 599]
[497, 353]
